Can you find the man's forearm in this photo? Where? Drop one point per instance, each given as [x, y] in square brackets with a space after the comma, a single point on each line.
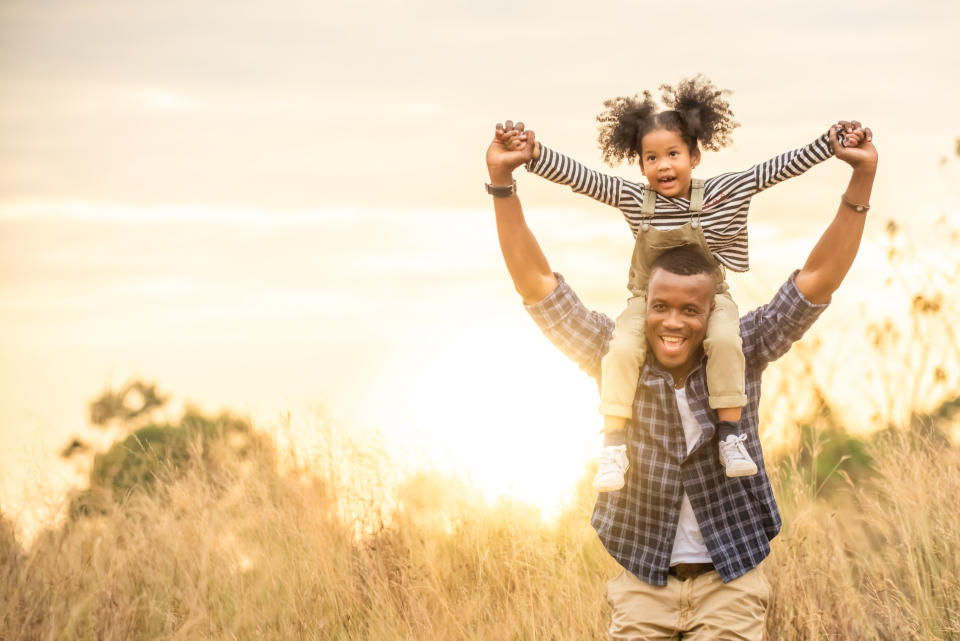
[528, 267]
[833, 255]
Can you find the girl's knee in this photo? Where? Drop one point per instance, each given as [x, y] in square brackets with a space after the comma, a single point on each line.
[723, 344]
[628, 342]
[624, 354]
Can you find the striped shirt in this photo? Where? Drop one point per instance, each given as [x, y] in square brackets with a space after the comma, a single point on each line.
[737, 516]
[726, 197]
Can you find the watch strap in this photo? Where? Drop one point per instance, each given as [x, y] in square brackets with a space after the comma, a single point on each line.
[501, 191]
[860, 209]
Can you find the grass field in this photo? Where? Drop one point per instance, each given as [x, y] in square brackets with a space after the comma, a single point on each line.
[246, 548]
[229, 535]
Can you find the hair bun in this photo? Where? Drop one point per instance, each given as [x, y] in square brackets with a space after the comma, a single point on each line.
[620, 125]
[704, 108]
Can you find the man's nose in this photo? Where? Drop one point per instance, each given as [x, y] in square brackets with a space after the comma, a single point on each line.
[672, 319]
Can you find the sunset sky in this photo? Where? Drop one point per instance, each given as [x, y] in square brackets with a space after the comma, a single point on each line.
[278, 206]
[319, 104]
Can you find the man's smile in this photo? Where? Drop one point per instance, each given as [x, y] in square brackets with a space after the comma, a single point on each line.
[672, 344]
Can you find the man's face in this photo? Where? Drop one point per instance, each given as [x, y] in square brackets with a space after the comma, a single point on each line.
[677, 311]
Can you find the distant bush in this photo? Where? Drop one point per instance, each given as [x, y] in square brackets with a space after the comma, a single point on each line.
[165, 451]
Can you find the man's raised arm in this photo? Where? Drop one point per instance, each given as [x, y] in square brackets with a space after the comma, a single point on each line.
[831, 258]
[528, 267]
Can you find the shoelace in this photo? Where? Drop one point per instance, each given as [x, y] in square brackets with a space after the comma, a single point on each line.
[609, 456]
[736, 448]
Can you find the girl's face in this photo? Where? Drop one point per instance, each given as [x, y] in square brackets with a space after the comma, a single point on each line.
[667, 162]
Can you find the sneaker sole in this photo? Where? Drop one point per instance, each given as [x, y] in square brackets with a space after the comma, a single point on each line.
[608, 488]
[734, 472]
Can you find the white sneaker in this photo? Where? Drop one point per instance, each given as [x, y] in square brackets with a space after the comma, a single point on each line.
[734, 457]
[613, 465]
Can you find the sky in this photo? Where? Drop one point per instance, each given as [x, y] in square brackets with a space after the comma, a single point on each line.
[278, 206]
[307, 104]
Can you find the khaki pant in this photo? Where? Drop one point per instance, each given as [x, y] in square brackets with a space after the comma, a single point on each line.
[698, 609]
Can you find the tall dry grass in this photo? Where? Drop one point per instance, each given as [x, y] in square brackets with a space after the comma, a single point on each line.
[879, 559]
[243, 550]
[249, 552]
[344, 545]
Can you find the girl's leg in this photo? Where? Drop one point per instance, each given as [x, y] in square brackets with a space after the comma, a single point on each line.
[729, 414]
[726, 369]
[620, 370]
[620, 367]
[726, 383]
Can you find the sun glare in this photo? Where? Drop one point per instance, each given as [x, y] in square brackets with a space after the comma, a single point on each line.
[504, 409]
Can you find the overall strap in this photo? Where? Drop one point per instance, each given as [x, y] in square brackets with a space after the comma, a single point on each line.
[696, 195]
[649, 202]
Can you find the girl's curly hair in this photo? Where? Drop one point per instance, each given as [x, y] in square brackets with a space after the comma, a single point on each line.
[697, 110]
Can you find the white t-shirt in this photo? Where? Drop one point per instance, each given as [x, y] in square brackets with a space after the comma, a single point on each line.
[688, 547]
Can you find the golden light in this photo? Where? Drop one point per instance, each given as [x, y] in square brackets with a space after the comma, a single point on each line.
[501, 407]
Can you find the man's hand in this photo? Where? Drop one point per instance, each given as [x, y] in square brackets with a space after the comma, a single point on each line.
[831, 258]
[857, 148]
[515, 137]
[511, 147]
[528, 267]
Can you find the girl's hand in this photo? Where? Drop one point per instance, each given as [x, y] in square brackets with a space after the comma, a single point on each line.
[857, 149]
[851, 132]
[513, 136]
[511, 147]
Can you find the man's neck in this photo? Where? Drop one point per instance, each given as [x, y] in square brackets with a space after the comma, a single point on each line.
[680, 377]
[678, 374]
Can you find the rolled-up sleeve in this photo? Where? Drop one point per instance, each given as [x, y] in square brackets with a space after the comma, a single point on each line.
[583, 335]
[770, 330]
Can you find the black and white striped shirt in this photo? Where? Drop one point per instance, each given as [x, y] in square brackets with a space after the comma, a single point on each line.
[726, 199]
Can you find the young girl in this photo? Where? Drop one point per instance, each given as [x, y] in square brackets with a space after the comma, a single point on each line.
[672, 209]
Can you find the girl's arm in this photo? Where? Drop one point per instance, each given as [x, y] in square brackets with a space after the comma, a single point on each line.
[792, 163]
[564, 170]
[560, 169]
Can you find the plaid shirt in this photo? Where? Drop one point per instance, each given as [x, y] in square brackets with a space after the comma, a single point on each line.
[737, 516]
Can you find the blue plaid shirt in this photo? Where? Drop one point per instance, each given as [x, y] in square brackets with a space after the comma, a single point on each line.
[737, 516]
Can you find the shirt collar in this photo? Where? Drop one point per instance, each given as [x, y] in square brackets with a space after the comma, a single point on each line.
[654, 370]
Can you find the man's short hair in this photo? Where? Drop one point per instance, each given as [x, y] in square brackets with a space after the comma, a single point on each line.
[685, 260]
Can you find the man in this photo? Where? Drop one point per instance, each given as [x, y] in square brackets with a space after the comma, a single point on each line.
[689, 539]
